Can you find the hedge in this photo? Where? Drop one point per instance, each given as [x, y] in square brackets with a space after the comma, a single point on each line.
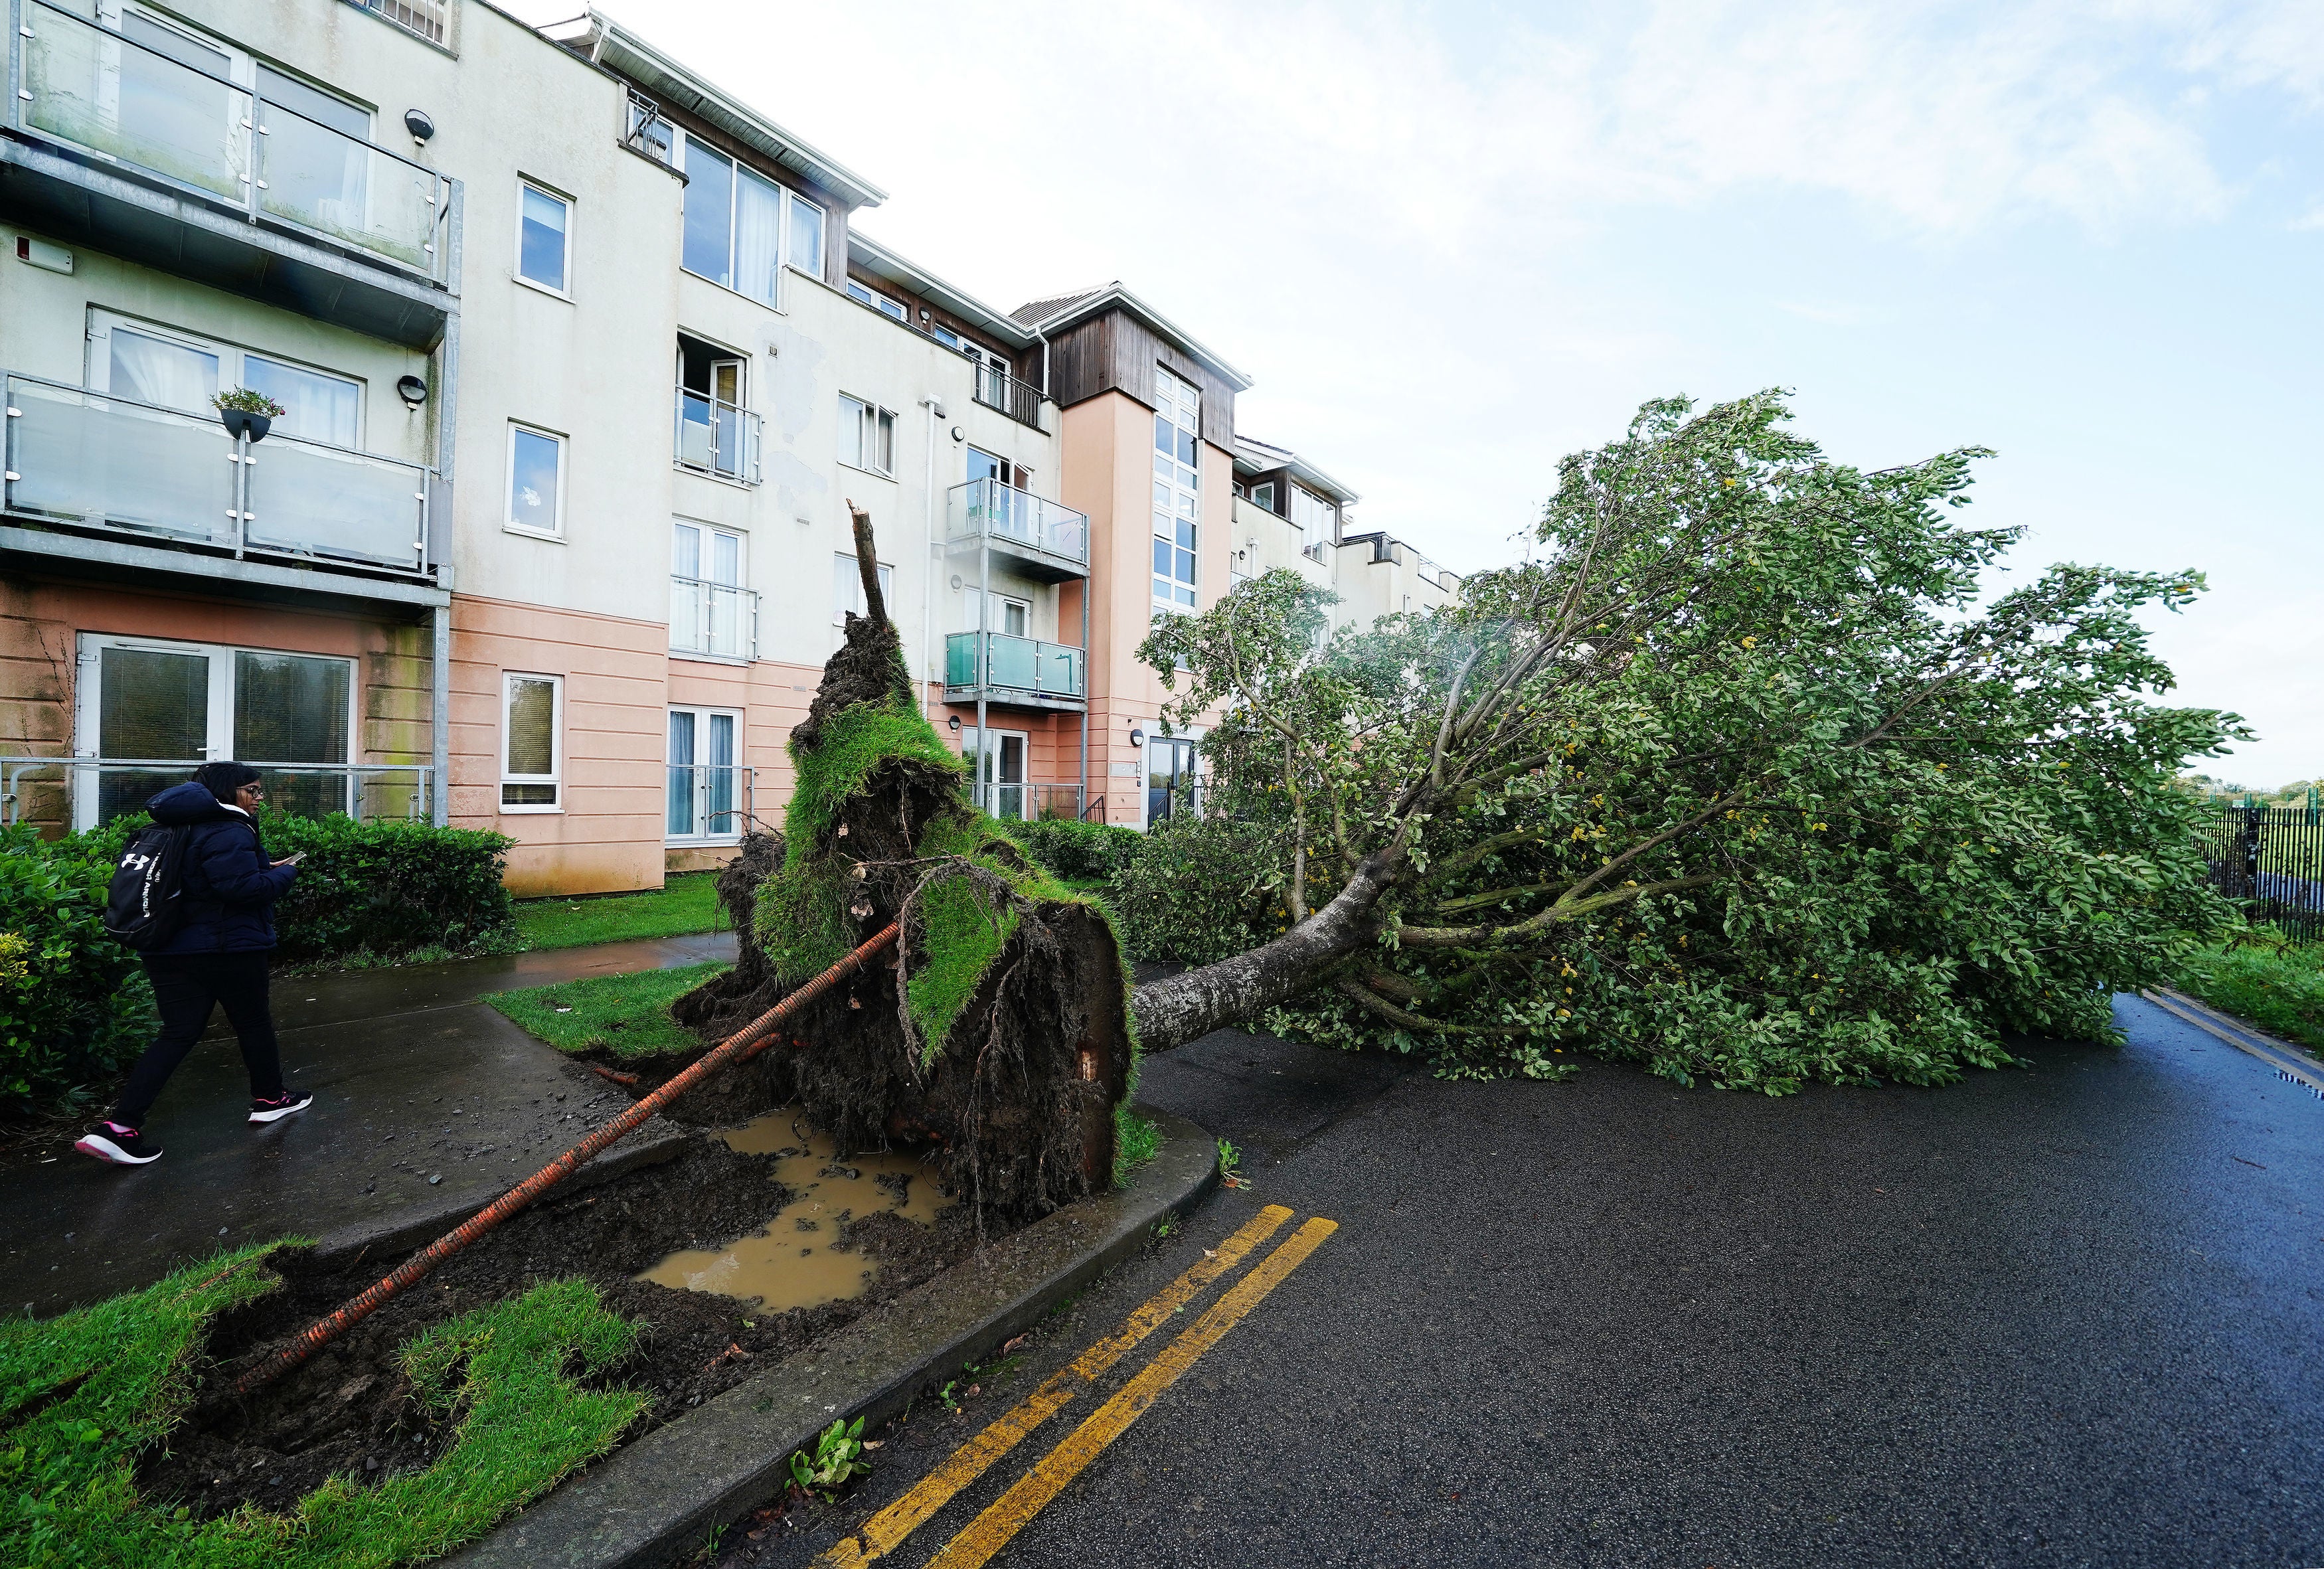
[74, 1005]
[1199, 889]
[1085, 852]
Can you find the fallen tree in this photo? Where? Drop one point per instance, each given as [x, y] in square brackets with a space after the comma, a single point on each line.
[1734, 777]
[996, 1032]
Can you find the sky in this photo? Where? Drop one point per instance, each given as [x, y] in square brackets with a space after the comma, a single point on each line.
[1453, 242]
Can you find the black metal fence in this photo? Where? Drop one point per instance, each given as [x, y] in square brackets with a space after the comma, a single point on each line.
[2270, 860]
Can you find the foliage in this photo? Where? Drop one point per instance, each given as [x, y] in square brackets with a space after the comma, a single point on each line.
[838, 1457]
[243, 401]
[965, 921]
[1200, 889]
[625, 1015]
[1736, 777]
[1076, 851]
[2276, 985]
[681, 906]
[373, 887]
[1230, 1166]
[74, 1005]
[83, 1394]
[1136, 1140]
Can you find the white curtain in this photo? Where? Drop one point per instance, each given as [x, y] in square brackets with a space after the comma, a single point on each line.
[319, 408]
[758, 236]
[154, 370]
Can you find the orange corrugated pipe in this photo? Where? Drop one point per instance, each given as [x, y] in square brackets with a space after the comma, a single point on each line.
[740, 1046]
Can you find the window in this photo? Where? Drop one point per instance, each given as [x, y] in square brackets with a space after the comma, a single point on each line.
[543, 238]
[1177, 502]
[1264, 495]
[536, 493]
[983, 465]
[179, 370]
[867, 435]
[736, 232]
[710, 610]
[1010, 617]
[716, 432]
[1172, 780]
[1311, 512]
[532, 744]
[877, 302]
[707, 795]
[847, 588]
[188, 703]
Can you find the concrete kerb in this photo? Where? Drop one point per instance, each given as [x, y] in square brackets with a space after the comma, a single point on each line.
[655, 1500]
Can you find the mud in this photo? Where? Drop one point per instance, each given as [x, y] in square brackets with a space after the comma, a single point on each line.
[350, 1412]
[799, 1260]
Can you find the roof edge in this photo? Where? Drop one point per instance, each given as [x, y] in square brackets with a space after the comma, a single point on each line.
[1113, 295]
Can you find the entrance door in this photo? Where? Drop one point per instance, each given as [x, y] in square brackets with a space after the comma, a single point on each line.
[1170, 778]
[178, 706]
[999, 765]
[706, 794]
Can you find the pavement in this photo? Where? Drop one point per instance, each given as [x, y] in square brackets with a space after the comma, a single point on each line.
[2058, 1316]
[424, 1098]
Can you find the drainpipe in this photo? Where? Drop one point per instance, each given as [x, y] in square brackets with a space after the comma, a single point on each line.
[439, 807]
[928, 564]
[1086, 698]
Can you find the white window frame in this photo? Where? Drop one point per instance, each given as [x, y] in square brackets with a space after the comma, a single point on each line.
[555, 778]
[702, 716]
[1176, 482]
[845, 568]
[88, 703]
[885, 304]
[508, 484]
[98, 369]
[681, 142]
[525, 182]
[871, 419]
[1326, 513]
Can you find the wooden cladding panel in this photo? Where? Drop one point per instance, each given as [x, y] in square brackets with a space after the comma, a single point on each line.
[1115, 352]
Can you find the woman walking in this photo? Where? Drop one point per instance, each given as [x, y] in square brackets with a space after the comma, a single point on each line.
[219, 955]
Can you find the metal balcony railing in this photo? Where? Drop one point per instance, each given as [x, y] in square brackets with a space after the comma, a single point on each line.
[1030, 803]
[108, 97]
[710, 801]
[720, 619]
[988, 508]
[997, 388]
[717, 437]
[1000, 663]
[98, 461]
[89, 790]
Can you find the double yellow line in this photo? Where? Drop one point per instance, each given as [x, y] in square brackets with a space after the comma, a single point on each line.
[990, 1531]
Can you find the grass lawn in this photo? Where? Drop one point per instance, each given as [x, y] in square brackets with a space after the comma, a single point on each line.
[2280, 989]
[90, 1388]
[685, 904]
[627, 1015]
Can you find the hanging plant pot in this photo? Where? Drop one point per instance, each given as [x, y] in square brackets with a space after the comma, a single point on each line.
[240, 422]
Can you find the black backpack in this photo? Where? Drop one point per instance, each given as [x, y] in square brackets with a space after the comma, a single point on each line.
[145, 906]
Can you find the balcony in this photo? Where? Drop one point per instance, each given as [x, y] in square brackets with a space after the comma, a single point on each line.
[92, 461]
[1014, 670]
[997, 388]
[718, 620]
[716, 437]
[267, 202]
[1048, 541]
[1030, 803]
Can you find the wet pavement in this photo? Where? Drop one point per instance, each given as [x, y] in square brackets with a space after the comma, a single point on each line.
[2066, 1315]
[413, 1080]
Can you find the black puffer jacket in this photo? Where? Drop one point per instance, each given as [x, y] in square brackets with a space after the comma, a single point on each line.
[230, 888]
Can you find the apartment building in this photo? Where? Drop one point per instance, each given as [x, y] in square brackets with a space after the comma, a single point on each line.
[583, 361]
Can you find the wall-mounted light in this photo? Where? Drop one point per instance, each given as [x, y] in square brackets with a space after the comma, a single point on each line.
[421, 127]
[954, 721]
[956, 436]
[411, 389]
[1137, 737]
[955, 583]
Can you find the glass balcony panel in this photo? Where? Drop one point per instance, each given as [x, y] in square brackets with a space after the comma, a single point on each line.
[990, 508]
[1013, 663]
[1060, 670]
[695, 439]
[960, 659]
[719, 794]
[97, 90]
[83, 458]
[725, 622]
[325, 501]
[713, 618]
[328, 181]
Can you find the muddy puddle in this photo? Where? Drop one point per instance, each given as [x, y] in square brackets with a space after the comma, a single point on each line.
[798, 1261]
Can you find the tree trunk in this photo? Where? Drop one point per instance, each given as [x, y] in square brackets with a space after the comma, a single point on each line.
[1171, 1013]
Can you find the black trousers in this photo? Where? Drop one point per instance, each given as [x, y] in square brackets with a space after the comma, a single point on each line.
[186, 988]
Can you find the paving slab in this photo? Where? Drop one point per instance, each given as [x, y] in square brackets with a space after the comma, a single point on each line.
[427, 1104]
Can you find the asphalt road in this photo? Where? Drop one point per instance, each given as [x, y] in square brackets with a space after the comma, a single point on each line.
[2069, 1315]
